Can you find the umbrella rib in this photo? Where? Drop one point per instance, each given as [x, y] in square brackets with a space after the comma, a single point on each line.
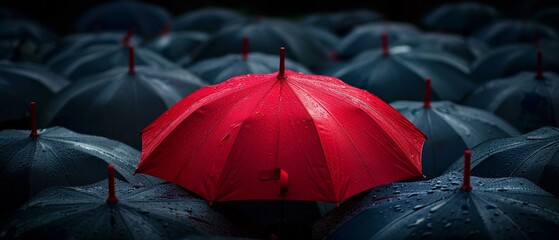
[132, 214]
[366, 167]
[531, 155]
[9, 159]
[57, 159]
[501, 213]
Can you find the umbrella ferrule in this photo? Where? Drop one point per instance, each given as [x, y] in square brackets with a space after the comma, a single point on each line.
[112, 196]
[467, 162]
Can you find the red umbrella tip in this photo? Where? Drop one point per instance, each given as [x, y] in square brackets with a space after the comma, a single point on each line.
[112, 196]
[165, 29]
[467, 164]
[33, 110]
[125, 41]
[281, 73]
[131, 69]
[384, 42]
[245, 47]
[427, 99]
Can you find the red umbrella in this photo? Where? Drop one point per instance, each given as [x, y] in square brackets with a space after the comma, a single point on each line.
[281, 136]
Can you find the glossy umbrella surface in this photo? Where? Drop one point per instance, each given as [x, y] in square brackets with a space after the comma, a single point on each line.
[281, 136]
[509, 31]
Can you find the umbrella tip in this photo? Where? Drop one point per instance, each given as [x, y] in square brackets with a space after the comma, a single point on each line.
[281, 73]
[245, 47]
[165, 29]
[384, 42]
[467, 162]
[112, 196]
[125, 41]
[33, 110]
[131, 68]
[427, 97]
[539, 65]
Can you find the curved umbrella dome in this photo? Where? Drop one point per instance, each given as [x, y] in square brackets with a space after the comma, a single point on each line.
[206, 19]
[117, 104]
[461, 17]
[510, 31]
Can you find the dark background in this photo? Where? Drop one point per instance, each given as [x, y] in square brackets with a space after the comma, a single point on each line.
[59, 15]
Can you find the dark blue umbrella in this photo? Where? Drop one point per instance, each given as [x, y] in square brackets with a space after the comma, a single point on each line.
[450, 128]
[534, 156]
[219, 69]
[31, 161]
[399, 72]
[119, 103]
[145, 18]
[77, 42]
[21, 83]
[98, 59]
[342, 21]
[509, 31]
[266, 35]
[23, 39]
[176, 44]
[460, 17]
[106, 211]
[447, 207]
[367, 37]
[509, 60]
[527, 100]
[206, 19]
[328, 39]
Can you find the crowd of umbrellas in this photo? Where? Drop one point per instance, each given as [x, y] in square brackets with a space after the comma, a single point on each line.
[216, 124]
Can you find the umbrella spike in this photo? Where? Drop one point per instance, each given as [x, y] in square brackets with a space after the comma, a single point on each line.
[467, 164]
[281, 73]
[427, 98]
[33, 111]
[125, 41]
[539, 65]
[165, 29]
[384, 42]
[245, 48]
[112, 196]
[131, 68]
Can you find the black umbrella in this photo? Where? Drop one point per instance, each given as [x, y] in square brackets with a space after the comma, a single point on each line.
[119, 103]
[219, 69]
[147, 19]
[32, 162]
[206, 19]
[445, 208]
[548, 16]
[96, 60]
[509, 31]
[534, 156]
[77, 42]
[397, 73]
[24, 39]
[175, 45]
[162, 211]
[460, 17]
[21, 83]
[266, 35]
[512, 59]
[342, 21]
[527, 100]
[450, 128]
[367, 37]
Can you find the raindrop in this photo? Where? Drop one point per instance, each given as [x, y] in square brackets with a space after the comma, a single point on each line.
[426, 234]
[448, 225]
[429, 225]
[417, 207]
[467, 220]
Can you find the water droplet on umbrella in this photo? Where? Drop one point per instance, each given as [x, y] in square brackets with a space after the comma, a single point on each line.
[417, 207]
[448, 225]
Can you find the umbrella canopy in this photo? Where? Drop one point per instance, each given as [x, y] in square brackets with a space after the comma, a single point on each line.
[442, 209]
[343, 21]
[454, 44]
[219, 69]
[21, 83]
[328, 39]
[23, 39]
[77, 42]
[162, 211]
[460, 17]
[119, 103]
[366, 37]
[145, 18]
[99, 59]
[548, 16]
[397, 73]
[450, 128]
[509, 31]
[32, 162]
[176, 45]
[528, 101]
[281, 136]
[266, 35]
[512, 59]
[206, 19]
[533, 156]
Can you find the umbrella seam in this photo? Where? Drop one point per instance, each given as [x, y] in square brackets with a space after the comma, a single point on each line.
[501, 213]
[532, 154]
